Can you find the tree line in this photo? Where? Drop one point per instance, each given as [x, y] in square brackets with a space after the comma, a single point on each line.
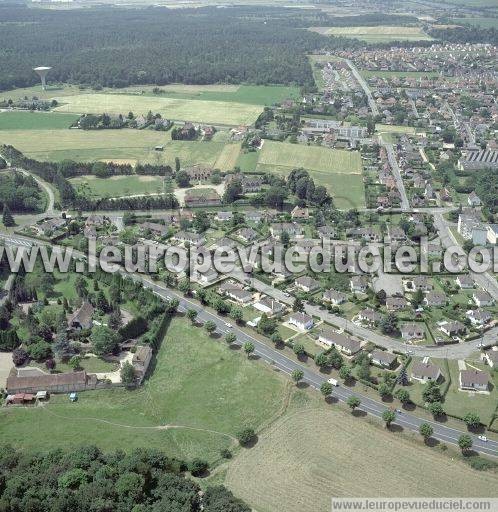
[144, 480]
[116, 47]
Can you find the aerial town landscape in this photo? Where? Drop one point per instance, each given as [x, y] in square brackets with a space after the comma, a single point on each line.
[140, 145]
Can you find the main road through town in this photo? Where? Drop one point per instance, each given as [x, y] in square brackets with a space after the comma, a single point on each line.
[284, 364]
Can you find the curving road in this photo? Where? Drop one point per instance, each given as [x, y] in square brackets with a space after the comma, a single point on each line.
[284, 364]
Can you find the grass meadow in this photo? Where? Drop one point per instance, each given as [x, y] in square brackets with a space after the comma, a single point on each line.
[215, 112]
[200, 394]
[119, 186]
[23, 120]
[380, 34]
[338, 170]
[125, 145]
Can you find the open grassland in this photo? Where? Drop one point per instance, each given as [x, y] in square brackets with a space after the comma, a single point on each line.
[119, 186]
[227, 159]
[379, 34]
[315, 453]
[247, 94]
[394, 128]
[215, 112]
[480, 22]
[117, 145]
[338, 170]
[199, 395]
[17, 120]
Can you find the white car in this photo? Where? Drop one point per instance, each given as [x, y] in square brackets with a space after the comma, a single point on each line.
[483, 438]
[228, 325]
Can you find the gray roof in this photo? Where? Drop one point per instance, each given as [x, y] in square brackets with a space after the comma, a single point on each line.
[428, 370]
[383, 356]
[341, 340]
[470, 378]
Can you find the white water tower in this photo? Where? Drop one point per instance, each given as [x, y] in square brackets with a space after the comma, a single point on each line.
[42, 73]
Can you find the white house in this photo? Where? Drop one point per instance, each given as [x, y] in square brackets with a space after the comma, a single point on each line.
[425, 371]
[301, 321]
[482, 298]
[344, 343]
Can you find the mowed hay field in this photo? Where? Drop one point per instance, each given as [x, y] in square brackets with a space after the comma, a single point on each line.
[227, 159]
[119, 186]
[117, 145]
[215, 112]
[20, 120]
[338, 170]
[311, 455]
[380, 34]
[199, 395]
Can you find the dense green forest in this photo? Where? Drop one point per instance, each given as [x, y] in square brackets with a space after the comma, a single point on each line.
[20, 193]
[466, 34]
[86, 479]
[117, 47]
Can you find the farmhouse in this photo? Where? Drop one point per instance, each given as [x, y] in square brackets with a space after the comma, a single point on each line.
[473, 380]
[383, 359]
[141, 361]
[340, 341]
[81, 318]
[425, 371]
[202, 197]
[199, 172]
[32, 380]
[301, 321]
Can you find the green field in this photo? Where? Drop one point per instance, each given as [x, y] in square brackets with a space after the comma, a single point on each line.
[480, 22]
[118, 186]
[248, 94]
[367, 73]
[338, 170]
[199, 395]
[17, 120]
[124, 146]
[378, 34]
[216, 112]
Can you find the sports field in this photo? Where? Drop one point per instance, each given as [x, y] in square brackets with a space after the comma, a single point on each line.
[118, 186]
[380, 34]
[118, 145]
[338, 170]
[331, 453]
[215, 112]
[199, 395]
[18, 120]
